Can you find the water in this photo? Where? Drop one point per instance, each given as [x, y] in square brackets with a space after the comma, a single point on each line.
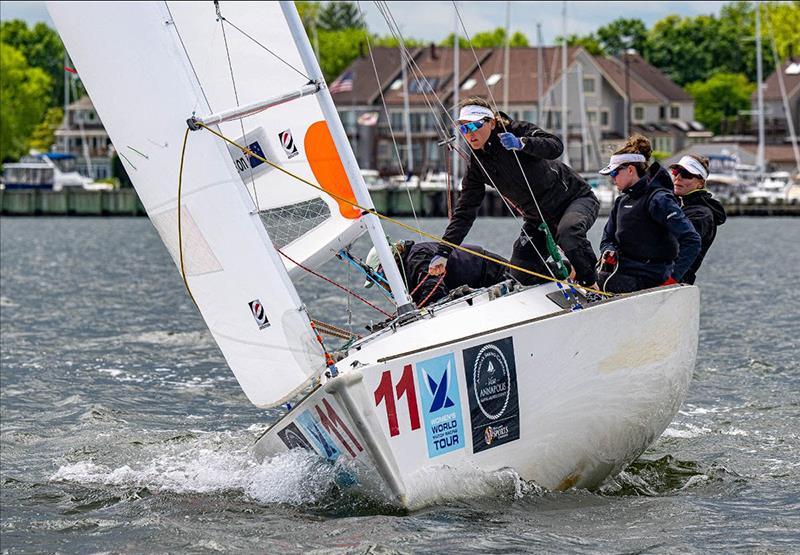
[122, 430]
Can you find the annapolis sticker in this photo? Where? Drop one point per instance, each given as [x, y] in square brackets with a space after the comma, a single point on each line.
[441, 404]
[287, 142]
[257, 309]
[293, 438]
[493, 397]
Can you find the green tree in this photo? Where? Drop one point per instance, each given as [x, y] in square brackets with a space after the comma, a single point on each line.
[489, 39]
[588, 42]
[621, 34]
[43, 135]
[720, 97]
[24, 93]
[338, 16]
[42, 48]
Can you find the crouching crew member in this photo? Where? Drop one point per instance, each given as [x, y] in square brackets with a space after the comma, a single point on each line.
[501, 151]
[462, 268]
[648, 241]
[705, 212]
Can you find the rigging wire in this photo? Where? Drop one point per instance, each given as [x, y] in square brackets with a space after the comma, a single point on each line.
[374, 212]
[388, 118]
[186, 53]
[222, 20]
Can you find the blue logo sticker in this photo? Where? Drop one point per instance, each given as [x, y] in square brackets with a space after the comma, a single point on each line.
[318, 436]
[256, 149]
[441, 404]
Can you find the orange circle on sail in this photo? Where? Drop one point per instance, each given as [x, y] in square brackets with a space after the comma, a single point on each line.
[327, 167]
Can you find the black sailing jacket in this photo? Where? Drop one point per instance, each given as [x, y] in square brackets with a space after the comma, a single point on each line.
[555, 184]
[705, 213]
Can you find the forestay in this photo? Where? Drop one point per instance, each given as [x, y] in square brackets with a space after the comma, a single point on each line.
[148, 66]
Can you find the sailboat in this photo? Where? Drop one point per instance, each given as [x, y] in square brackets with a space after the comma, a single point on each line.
[563, 392]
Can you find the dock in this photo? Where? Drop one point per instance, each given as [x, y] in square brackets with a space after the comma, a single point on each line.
[392, 202]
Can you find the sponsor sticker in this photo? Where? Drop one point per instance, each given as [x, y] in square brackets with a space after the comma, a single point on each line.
[293, 438]
[247, 164]
[441, 404]
[260, 315]
[493, 397]
[318, 436]
[287, 142]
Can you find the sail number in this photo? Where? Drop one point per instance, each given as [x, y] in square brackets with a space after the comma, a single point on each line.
[387, 394]
[241, 164]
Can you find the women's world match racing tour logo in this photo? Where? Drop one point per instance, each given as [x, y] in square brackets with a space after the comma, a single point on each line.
[493, 396]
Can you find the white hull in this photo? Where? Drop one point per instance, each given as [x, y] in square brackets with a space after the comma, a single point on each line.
[564, 398]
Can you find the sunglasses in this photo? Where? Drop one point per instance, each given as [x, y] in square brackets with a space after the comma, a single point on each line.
[615, 172]
[472, 126]
[684, 173]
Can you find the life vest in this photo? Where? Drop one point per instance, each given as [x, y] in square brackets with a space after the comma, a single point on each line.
[638, 236]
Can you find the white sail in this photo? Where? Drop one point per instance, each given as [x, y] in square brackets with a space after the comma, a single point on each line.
[148, 66]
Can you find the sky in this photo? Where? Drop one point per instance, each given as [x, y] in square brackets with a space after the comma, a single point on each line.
[433, 20]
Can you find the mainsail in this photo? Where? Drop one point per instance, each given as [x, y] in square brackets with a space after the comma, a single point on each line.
[148, 67]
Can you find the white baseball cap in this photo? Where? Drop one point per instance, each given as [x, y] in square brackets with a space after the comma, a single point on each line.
[691, 165]
[619, 159]
[473, 112]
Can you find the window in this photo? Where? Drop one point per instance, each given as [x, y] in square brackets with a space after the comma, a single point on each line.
[589, 85]
[675, 112]
[396, 120]
[493, 79]
[662, 112]
[638, 113]
[591, 116]
[604, 118]
[420, 86]
[468, 84]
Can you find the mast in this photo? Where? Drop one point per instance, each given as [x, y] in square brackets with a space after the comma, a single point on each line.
[760, 90]
[564, 111]
[539, 75]
[506, 56]
[406, 111]
[456, 90]
[372, 223]
[787, 109]
[582, 104]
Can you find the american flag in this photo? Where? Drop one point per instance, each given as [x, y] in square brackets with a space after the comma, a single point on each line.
[343, 84]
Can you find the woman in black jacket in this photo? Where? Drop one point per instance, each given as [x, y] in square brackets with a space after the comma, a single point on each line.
[565, 201]
[705, 212]
[647, 241]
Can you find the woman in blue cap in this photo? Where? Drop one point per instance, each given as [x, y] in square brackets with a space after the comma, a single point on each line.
[648, 241]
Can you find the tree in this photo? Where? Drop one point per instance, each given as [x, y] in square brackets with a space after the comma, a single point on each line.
[42, 48]
[25, 95]
[622, 34]
[720, 97]
[588, 42]
[43, 135]
[338, 16]
[488, 39]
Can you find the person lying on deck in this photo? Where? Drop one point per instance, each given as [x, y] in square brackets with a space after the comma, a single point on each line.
[462, 268]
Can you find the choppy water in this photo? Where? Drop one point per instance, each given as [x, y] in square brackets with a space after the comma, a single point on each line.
[122, 430]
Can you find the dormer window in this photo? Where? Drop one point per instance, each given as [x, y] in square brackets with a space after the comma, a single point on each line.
[493, 79]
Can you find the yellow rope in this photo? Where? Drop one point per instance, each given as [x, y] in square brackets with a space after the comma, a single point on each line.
[180, 220]
[392, 220]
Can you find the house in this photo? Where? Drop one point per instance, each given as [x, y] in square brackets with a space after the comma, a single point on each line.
[776, 125]
[82, 134]
[658, 107]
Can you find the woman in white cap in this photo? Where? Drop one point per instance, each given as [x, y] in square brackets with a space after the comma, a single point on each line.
[705, 212]
[648, 241]
[501, 151]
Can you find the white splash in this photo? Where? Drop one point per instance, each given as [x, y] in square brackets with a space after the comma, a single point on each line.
[294, 478]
